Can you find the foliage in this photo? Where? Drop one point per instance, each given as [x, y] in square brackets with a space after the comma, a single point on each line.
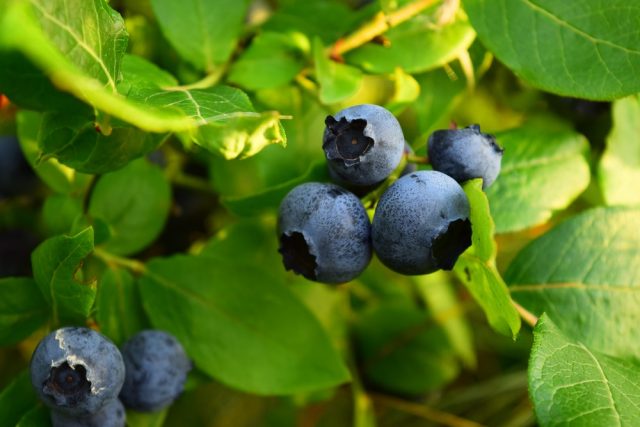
[159, 138]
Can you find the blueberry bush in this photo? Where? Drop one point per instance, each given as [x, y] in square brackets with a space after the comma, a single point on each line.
[146, 147]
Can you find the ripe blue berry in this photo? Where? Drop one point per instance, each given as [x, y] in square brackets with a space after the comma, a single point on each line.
[76, 371]
[465, 154]
[363, 144]
[156, 367]
[421, 223]
[112, 414]
[324, 233]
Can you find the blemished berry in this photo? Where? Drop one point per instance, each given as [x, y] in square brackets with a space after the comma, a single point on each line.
[324, 233]
[363, 144]
[156, 370]
[76, 371]
[112, 414]
[465, 154]
[421, 223]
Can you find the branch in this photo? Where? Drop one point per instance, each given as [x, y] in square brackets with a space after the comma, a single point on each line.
[378, 25]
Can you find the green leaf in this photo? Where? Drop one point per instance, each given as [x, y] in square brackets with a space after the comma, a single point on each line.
[403, 349]
[585, 274]
[22, 309]
[442, 89]
[29, 87]
[59, 177]
[477, 270]
[87, 33]
[221, 119]
[326, 19]
[271, 60]
[37, 417]
[56, 264]
[484, 247]
[588, 50]
[204, 32]
[417, 45]
[60, 212]
[572, 385]
[17, 398]
[406, 91]
[337, 81]
[438, 93]
[250, 240]
[438, 293]
[134, 202]
[269, 200]
[619, 168]
[252, 320]
[118, 305]
[146, 419]
[543, 169]
[75, 141]
[273, 166]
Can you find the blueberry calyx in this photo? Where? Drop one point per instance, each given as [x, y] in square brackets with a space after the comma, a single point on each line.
[296, 255]
[68, 381]
[448, 246]
[346, 141]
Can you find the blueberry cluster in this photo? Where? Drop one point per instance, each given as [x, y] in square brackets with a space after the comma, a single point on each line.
[421, 221]
[85, 379]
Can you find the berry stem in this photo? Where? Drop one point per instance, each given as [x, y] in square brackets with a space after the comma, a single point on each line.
[420, 160]
[371, 199]
[378, 25]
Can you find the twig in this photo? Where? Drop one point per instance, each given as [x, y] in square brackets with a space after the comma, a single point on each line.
[423, 411]
[378, 25]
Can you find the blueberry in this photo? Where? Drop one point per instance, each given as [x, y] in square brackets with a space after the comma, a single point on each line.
[16, 176]
[112, 414]
[421, 223]
[363, 144]
[324, 233]
[76, 371]
[156, 367]
[465, 154]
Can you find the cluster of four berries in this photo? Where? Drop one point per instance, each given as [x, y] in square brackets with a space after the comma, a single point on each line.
[421, 222]
[84, 378]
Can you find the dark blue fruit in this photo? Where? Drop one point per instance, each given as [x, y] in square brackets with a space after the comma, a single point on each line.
[76, 371]
[363, 144]
[421, 223]
[465, 154]
[324, 233]
[16, 176]
[112, 414]
[157, 367]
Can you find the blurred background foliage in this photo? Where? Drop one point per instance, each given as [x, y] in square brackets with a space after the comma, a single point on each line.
[419, 349]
